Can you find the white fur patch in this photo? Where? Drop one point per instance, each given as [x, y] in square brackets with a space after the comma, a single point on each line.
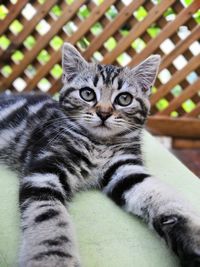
[156, 197]
[45, 154]
[123, 157]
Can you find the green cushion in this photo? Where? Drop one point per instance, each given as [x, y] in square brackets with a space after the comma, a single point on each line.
[107, 236]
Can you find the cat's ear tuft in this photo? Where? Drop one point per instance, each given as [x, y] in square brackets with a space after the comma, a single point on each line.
[145, 73]
[72, 62]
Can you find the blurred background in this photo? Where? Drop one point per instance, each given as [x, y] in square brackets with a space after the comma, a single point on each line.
[120, 32]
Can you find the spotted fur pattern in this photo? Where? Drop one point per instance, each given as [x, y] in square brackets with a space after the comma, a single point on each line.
[60, 148]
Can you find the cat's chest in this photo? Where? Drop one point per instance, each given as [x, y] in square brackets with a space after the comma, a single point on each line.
[101, 155]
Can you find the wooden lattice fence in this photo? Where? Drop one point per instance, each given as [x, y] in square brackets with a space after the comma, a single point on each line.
[111, 31]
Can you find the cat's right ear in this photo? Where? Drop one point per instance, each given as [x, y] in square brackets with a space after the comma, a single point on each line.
[72, 62]
[145, 73]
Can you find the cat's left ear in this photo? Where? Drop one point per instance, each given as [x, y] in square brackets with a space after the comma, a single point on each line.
[145, 73]
[72, 62]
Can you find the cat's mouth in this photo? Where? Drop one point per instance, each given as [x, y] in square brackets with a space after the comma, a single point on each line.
[102, 124]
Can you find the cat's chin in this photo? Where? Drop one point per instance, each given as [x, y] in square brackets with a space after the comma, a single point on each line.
[102, 131]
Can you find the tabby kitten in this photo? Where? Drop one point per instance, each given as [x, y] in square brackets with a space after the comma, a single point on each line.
[91, 138]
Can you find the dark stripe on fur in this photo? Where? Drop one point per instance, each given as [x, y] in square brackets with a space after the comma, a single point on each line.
[84, 173]
[58, 241]
[100, 69]
[138, 121]
[47, 215]
[115, 75]
[57, 253]
[48, 165]
[113, 168]
[120, 83]
[62, 224]
[39, 194]
[142, 105]
[109, 69]
[134, 149]
[51, 242]
[125, 184]
[95, 81]
[15, 118]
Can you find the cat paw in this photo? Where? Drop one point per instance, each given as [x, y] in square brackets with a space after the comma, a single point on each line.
[182, 236]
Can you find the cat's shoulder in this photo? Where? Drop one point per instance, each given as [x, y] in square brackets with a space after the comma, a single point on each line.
[29, 96]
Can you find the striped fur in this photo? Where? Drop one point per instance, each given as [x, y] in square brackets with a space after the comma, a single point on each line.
[60, 148]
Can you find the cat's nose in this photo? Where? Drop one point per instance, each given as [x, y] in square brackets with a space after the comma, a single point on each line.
[103, 115]
[104, 111]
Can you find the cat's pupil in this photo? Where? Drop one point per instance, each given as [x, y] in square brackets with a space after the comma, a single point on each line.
[88, 93]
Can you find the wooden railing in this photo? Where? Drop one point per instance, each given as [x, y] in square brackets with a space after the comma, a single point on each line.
[114, 32]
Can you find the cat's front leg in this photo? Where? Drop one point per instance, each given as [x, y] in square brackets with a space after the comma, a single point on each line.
[47, 231]
[130, 186]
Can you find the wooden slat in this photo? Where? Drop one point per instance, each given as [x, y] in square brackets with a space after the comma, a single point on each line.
[186, 94]
[42, 41]
[95, 15]
[55, 86]
[184, 127]
[29, 26]
[176, 78]
[136, 31]
[166, 32]
[14, 10]
[180, 143]
[110, 29]
[180, 47]
[194, 113]
[83, 28]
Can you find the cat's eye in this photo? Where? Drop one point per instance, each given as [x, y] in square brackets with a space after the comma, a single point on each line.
[87, 94]
[124, 99]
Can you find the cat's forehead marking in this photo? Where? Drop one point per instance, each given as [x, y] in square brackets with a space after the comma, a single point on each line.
[120, 84]
[108, 73]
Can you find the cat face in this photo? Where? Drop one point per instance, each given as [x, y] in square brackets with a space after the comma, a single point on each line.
[104, 99]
